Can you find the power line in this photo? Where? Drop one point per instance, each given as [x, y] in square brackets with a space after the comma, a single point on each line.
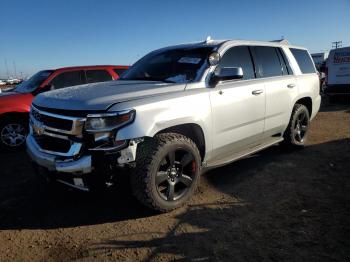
[337, 44]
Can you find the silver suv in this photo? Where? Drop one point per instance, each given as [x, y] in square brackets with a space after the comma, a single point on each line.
[176, 112]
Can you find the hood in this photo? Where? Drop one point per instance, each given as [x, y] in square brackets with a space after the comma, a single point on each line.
[14, 102]
[101, 96]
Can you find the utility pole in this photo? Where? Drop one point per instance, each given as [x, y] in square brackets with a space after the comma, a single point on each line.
[337, 44]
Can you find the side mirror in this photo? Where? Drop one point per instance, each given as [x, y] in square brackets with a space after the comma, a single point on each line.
[226, 73]
[43, 89]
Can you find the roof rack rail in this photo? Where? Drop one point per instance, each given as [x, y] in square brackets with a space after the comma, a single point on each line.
[281, 41]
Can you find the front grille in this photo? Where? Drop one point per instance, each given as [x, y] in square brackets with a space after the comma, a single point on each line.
[53, 122]
[53, 143]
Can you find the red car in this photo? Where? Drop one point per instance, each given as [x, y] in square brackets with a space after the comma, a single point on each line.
[15, 104]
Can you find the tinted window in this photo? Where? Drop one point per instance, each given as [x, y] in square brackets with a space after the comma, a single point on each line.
[287, 70]
[268, 61]
[68, 79]
[93, 76]
[239, 56]
[304, 60]
[119, 71]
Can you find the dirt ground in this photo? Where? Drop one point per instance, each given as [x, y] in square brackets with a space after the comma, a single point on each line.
[274, 206]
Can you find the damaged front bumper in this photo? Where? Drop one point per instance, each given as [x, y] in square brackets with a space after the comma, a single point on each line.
[73, 170]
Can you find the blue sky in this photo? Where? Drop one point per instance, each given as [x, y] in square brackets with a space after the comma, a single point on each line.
[48, 34]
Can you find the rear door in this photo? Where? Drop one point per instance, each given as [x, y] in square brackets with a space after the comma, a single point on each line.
[238, 106]
[280, 86]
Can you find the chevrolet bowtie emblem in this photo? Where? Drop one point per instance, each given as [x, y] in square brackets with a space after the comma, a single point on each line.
[38, 128]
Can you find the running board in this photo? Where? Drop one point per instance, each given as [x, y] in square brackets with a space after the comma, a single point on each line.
[244, 153]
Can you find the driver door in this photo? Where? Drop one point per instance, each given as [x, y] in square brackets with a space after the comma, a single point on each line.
[238, 106]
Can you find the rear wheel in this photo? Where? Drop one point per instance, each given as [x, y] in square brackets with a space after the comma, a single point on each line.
[298, 127]
[13, 133]
[167, 171]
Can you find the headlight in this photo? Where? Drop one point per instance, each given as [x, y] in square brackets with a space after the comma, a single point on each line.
[109, 121]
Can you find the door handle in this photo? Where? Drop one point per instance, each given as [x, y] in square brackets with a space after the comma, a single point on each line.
[291, 85]
[257, 92]
[220, 92]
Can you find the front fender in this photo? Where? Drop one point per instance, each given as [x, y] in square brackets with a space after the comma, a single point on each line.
[156, 114]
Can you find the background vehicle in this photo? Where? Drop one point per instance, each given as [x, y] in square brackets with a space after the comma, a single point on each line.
[175, 112]
[319, 59]
[15, 104]
[338, 75]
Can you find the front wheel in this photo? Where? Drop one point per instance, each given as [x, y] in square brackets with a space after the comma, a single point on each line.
[167, 171]
[13, 133]
[298, 127]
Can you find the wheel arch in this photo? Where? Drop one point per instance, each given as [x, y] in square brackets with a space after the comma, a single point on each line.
[306, 101]
[192, 131]
[21, 115]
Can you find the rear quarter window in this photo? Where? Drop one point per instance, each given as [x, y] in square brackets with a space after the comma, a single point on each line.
[304, 60]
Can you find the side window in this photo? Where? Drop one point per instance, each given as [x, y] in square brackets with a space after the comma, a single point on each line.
[119, 71]
[287, 70]
[68, 79]
[268, 61]
[303, 58]
[239, 56]
[94, 76]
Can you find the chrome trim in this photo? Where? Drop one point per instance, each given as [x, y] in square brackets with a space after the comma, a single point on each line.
[73, 151]
[80, 166]
[42, 159]
[112, 148]
[71, 185]
[77, 122]
[55, 135]
[56, 115]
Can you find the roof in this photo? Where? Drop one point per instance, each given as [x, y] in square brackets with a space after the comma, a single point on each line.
[216, 44]
[91, 67]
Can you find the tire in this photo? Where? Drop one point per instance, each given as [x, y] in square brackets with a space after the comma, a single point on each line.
[158, 180]
[13, 132]
[298, 127]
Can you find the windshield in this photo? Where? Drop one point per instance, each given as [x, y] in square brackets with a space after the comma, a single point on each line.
[182, 65]
[34, 82]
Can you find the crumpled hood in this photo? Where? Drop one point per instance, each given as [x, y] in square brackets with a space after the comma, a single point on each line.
[100, 96]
